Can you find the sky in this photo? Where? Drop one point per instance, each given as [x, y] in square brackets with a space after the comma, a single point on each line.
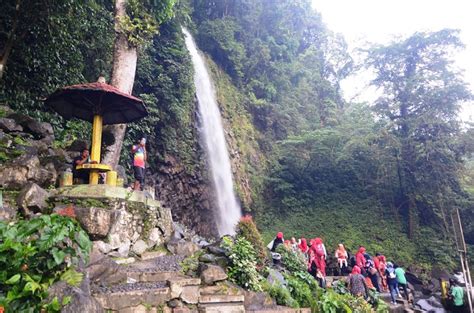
[379, 21]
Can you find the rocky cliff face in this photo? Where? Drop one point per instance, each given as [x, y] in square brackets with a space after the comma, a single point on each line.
[186, 189]
[189, 193]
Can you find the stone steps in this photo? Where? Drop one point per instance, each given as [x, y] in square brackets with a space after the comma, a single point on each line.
[151, 276]
[149, 292]
[121, 298]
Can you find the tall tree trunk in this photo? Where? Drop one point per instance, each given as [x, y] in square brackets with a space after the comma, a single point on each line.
[123, 76]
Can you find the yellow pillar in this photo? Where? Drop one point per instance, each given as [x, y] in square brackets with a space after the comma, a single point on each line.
[444, 289]
[111, 179]
[95, 150]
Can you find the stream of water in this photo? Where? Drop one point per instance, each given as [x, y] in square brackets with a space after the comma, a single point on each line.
[212, 133]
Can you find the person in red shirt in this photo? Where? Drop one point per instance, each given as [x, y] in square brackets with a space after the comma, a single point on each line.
[360, 259]
[303, 246]
[381, 268]
[319, 255]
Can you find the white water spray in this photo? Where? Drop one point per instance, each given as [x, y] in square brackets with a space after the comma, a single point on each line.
[212, 134]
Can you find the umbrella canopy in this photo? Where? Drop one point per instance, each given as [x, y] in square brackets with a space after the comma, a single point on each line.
[86, 100]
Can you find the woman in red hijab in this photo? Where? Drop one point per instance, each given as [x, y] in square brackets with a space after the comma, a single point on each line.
[360, 258]
[319, 255]
[303, 246]
[277, 241]
[357, 284]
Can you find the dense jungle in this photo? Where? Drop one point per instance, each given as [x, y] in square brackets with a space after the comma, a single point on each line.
[306, 161]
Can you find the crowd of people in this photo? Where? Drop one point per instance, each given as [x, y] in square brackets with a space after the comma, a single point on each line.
[365, 271]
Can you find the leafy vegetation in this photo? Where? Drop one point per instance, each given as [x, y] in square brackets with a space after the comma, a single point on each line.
[243, 267]
[383, 174]
[35, 254]
[247, 229]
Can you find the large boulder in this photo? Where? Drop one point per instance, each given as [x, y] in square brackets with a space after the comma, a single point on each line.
[32, 199]
[104, 272]
[7, 213]
[139, 247]
[95, 221]
[211, 274]
[81, 301]
[182, 247]
[258, 301]
[276, 278]
[430, 305]
[27, 168]
[39, 130]
[9, 125]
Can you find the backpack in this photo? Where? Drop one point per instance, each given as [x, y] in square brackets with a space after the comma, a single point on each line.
[391, 273]
[319, 250]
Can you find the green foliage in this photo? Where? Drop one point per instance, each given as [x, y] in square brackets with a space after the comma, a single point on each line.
[293, 261]
[247, 229]
[165, 82]
[301, 291]
[190, 265]
[281, 294]
[35, 254]
[138, 25]
[242, 269]
[54, 44]
[422, 95]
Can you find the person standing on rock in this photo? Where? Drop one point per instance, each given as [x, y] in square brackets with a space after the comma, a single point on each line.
[392, 282]
[357, 283]
[456, 293]
[402, 281]
[139, 161]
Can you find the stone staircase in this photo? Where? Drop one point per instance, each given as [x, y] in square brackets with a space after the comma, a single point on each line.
[145, 287]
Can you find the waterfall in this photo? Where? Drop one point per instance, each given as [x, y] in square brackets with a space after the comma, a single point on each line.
[212, 133]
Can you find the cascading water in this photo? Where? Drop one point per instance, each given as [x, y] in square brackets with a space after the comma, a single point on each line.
[212, 133]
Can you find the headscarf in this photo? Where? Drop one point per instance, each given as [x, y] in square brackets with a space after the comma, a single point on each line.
[303, 245]
[318, 241]
[356, 270]
[390, 264]
[280, 235]
[362, 250]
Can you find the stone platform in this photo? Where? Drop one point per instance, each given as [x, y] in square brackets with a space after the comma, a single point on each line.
[119, 220]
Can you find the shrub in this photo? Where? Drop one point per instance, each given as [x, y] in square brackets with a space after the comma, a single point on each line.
[35, 254]
[301, 291]
[190, 265]
[246, 228]
[242, 269]
[293, 261]
[281, 295]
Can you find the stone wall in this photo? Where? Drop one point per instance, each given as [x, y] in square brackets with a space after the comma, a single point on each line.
[121, 220]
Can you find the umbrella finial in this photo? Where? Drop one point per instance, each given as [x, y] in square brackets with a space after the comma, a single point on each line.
[101, 80]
